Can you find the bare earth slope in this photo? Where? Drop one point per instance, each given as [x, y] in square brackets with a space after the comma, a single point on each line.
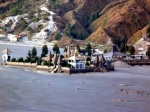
[123, 19]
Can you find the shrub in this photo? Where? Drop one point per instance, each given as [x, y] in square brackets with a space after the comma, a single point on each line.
[50, 64]
[33, 60]
[88, 59]
[20, 59]
[27, 60]
[87, 64]
[64, 64]
[13, 60]
[69, 65]
[39, 62]
[45, 63]
[57, 36]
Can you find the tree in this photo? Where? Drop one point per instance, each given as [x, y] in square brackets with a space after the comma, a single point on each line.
[88, 49]
[44, 50]
[78, 47]
[13, 60]
[53, 3]
[68, 30]
[20, 59]
[148, 52]
[57, 36]
[34, 52]
[29, 54]
[93, 16]
[80, 35]
[56, 49]
[123, 48]
[132, 50]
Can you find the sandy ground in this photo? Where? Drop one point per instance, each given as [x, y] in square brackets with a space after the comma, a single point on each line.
[24, 90]
[124, 90]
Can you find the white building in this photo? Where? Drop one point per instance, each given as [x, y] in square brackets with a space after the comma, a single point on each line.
[76, 62]
[6, 55]
[13, 38]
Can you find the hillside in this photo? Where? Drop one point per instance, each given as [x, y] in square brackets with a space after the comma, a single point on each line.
[122, 19]
[97, 21]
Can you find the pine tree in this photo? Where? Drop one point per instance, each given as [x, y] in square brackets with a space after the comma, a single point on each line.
[34, 52]
[88, 49]
[68, 30]
[29, 54]
[132, 50]
[44, 50]
[56, 49]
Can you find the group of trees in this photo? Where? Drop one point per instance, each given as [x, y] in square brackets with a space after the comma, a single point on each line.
[88, 49]
[127, 48]
[33, 58]
[52, 3]
[68, 30]
[93, 17]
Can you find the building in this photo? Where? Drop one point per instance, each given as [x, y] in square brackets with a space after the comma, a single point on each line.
[76, 60]
[6, 55]
[114, 53]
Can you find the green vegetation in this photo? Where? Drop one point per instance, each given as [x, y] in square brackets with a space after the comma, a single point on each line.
[87, 64]
[88, 49]
[21, 7]
[23, 24]
[34, 52]
[57, 36]
[131, 50]
[20, 59]
[93, 16]
[88, 59]
[13, 60]
[68, 30]
[124, 48]
[54, 3]
[56, 49]
[44, 51]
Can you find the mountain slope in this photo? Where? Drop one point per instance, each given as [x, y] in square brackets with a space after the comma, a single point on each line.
[122, 20]
[98, 21]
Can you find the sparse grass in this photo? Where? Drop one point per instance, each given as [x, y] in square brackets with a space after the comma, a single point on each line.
[100, 22]
[22, 7]
[137, 36]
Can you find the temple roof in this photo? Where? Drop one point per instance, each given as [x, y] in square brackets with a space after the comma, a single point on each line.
[76, 58]
[7, 51]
